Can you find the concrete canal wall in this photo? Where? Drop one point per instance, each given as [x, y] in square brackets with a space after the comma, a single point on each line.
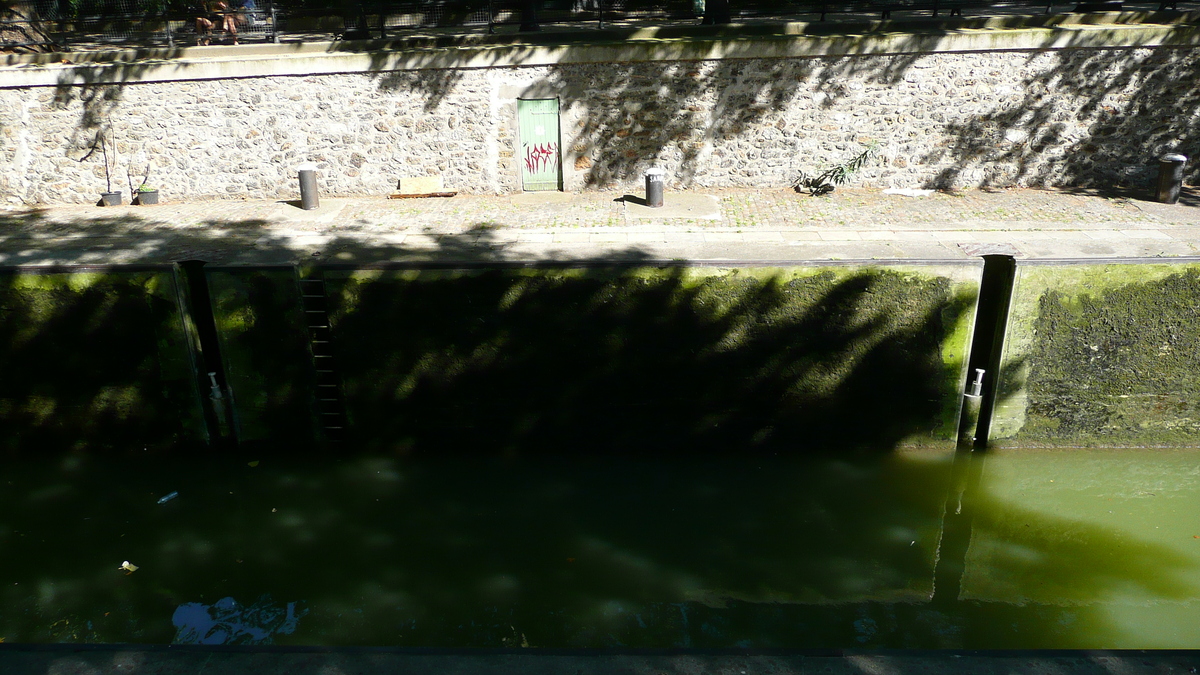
[775, 359]
[551, 360]
[96, 360]
[1102, 355]
[678, 359]
[1054, 101]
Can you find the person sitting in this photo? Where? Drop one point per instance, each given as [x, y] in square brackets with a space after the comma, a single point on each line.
[248, 13]
[215, 13]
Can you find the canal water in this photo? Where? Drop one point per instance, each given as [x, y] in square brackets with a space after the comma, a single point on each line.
[1079, 548]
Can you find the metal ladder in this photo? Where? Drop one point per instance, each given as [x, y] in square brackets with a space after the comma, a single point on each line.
[331, 408]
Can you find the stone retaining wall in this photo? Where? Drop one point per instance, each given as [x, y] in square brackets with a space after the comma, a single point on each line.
[217, 127]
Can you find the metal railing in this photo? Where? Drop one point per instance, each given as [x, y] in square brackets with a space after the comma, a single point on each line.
[90, 24]
[67, 25]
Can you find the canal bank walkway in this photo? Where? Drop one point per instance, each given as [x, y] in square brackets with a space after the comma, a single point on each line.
[737, 225]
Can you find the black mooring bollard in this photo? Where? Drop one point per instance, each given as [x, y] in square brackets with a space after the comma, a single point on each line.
[654, 187]
[1170, 177]
[308, 189]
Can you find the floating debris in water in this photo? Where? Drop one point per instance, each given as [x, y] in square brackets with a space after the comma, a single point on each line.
[167, 497]
[227, 622]
[129, 567]
[252, 464]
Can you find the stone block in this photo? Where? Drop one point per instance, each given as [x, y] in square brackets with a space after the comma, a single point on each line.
[421, 185]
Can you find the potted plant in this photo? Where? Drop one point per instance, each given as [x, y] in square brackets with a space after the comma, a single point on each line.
[109, 198]
[144, 194]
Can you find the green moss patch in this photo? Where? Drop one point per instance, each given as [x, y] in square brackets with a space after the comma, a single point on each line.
[264, 347]
[94, 361]
[1104, 355]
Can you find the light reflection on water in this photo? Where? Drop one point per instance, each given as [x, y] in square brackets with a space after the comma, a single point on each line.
[601, 551]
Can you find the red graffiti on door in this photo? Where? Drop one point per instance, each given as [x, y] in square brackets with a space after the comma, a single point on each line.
[541, 157]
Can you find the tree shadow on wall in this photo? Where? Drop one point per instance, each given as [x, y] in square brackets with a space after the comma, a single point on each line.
[712, 96]
[692, 113]
[98, 93]
[96, 357]
[677, 115]
[1126, 108]
[265, 352]
[722, 89]
[633, 360]
[96, 360]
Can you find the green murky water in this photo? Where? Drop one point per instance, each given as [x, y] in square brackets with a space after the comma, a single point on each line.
[1068, 548]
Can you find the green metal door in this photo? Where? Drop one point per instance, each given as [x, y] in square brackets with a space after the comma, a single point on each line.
[540, 166]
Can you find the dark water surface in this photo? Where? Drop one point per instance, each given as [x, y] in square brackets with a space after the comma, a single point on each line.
[1079, 548]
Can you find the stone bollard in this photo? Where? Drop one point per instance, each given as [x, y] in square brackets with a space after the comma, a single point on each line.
[1170, 177]
[308, 188]
[654, 187]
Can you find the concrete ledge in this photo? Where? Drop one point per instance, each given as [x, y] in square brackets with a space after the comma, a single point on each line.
[163, 660]
[793, 40]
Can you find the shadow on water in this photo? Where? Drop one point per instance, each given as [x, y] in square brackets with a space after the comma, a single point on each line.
[565, 552]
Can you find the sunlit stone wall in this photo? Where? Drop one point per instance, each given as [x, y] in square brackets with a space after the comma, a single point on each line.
[989, 117]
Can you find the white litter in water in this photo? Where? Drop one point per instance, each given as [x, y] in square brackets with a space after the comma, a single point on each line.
[908, 192]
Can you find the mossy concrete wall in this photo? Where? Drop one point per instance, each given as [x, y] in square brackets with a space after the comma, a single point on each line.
[647, 360]
[1102, 355]
[265, 353]
[95, 361]
[756, 359]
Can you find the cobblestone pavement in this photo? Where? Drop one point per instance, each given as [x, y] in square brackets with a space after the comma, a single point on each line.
[734, 225]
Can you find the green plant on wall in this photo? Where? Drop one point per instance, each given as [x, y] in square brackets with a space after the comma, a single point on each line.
[839, 174]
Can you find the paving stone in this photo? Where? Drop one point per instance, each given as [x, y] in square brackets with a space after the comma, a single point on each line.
[766, 224]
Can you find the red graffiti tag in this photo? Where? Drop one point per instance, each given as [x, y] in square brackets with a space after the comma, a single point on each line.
[541, 157]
